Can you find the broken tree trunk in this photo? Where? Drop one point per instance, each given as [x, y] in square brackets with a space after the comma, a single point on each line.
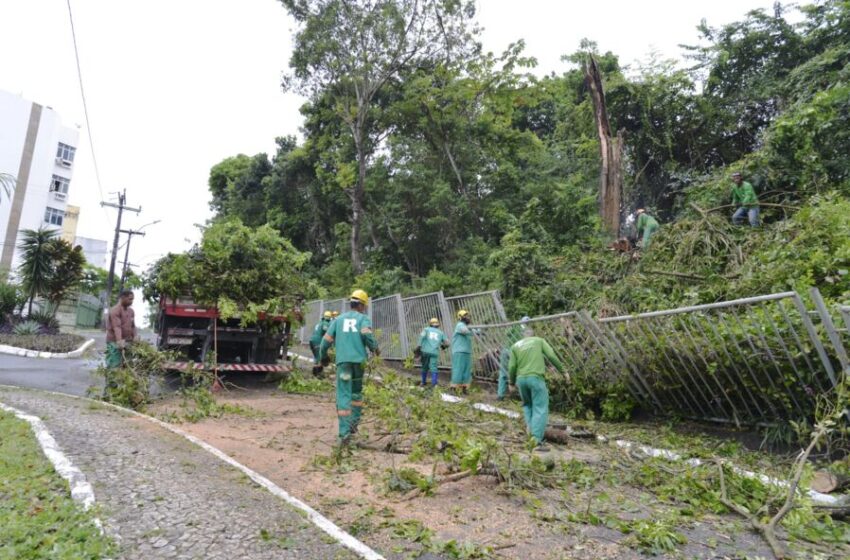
[611, 151]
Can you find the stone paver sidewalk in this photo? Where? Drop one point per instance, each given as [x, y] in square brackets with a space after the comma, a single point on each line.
[164, 497]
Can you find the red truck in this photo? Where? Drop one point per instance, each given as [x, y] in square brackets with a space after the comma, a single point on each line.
[196, 331]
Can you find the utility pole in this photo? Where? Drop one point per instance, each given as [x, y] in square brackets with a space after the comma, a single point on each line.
[130, 233]
[121, 206]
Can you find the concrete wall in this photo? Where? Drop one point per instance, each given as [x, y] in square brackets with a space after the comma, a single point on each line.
[95, 250]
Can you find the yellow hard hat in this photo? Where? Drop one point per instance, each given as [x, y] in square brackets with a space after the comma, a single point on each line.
[462, 313]
[334, 313]
[328, 314]
[434, 322]
[360, 296]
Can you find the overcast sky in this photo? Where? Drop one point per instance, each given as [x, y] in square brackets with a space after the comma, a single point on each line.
[175, 86]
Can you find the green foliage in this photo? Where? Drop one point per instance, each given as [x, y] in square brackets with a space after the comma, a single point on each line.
[36, 266]
[10, 298]
[46, 317]
[656, 536]
[243, 271]
[38, 518]
[57, 343]
[299, 383]
[130, 384]
[26, 328]
[66, 272]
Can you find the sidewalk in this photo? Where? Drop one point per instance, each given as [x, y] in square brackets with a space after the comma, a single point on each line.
[163, 497]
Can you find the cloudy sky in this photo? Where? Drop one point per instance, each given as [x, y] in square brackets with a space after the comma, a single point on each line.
[174, 86]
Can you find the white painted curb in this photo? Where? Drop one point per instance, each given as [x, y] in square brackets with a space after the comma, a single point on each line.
[319, 520]
[81, 490]
[24, 353]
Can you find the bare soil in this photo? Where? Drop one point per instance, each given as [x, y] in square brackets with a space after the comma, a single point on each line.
[288, 438]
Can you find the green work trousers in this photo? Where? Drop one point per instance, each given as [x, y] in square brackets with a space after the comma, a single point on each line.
[647, 235]
[504, 361]
[461, 369]
[114, 358]
[535, 404]
[430, 364]
[349, 397]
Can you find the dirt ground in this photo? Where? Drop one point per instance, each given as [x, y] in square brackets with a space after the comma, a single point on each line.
[288, 439]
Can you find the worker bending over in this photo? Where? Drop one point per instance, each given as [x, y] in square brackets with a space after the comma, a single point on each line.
[646, 225]
[745, 198]
[527, 371]
[431, 340]
[351, 332]
[316, 340]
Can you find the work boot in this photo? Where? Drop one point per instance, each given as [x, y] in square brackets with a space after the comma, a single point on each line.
[464, 390]
[542, 448]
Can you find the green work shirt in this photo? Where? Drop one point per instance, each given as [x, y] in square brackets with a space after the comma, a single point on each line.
[319, 331]
[645, 221]
[462, 339]
[744, 195]
[431, 339]
[527, 358]
[351, 332]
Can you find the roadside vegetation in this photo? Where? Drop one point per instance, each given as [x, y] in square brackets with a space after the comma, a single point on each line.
[38, 518]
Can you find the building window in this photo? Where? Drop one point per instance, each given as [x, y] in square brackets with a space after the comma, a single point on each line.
[65, 152]
[59, 184]
[54, 216]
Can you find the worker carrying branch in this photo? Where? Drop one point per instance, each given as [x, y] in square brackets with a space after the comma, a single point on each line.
[431, 340]
[352, 335]
[527, 370]
[646, 225]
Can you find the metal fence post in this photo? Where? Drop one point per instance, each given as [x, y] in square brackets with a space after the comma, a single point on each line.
[832, 333]
[402, 327]
[813, 335]
[497, 302]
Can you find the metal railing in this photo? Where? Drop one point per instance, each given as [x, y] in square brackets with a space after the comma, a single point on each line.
[390, 326]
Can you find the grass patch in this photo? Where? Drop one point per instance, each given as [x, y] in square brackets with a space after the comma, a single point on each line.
[57, 343]
[38, 518]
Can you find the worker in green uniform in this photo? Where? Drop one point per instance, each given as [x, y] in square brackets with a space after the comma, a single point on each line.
[462, 353]
[647, 225]
[511, 337]
[527, 371]
[352, 335]
[316, 340]
[431, 340]
[745, 198]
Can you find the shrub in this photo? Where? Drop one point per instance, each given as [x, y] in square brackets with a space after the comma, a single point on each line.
[10, 297]
[57, 343]
[46, 317]
[26, 328]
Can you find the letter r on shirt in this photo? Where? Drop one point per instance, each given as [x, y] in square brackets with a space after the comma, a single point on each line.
[349, 325]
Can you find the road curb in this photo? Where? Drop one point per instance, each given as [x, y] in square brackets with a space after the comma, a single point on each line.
[25, 353]
[323, 523]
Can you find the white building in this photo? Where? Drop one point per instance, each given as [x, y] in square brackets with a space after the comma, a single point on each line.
[39, 152]
[95, 250]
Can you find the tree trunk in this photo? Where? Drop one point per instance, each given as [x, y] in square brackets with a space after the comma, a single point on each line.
[826, 482]
[357, 210]
[611, 151]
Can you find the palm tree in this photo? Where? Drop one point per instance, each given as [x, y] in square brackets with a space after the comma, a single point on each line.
[36, 266]
[7, 185]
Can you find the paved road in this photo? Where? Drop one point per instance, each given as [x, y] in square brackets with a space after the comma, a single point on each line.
[163, 496]
[65, 376]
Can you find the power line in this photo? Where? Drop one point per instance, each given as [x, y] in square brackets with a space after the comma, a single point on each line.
[85, 106]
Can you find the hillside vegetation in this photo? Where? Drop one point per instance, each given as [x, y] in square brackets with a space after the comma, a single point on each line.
[479, 175]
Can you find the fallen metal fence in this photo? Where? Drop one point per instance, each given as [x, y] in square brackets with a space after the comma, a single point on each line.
[747, 361]
[485, 307]
[418, 310]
